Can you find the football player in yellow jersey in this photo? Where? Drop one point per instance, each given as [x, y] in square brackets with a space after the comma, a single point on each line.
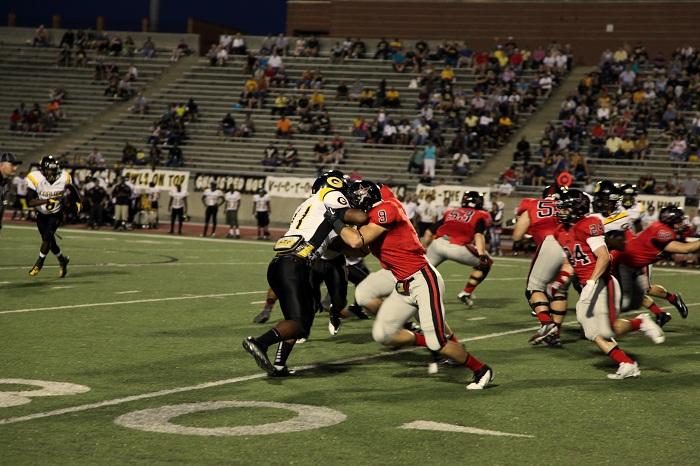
[46, 193]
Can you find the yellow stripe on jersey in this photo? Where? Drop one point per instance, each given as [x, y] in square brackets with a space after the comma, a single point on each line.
[615, 218]
[69, 180]
[322, 193]
[33, 180]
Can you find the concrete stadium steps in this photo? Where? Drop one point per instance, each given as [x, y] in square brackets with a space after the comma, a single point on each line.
[27, 74]
[217, 89]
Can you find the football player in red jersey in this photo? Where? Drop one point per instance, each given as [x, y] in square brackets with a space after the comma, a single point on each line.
[537, 217]
[583, 238]
[419, 286]
[643, 250]
[461, 238]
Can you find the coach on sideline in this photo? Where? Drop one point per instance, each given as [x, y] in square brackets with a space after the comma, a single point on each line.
[8, 168]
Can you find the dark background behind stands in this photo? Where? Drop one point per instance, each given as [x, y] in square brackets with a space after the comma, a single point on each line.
[257, 17]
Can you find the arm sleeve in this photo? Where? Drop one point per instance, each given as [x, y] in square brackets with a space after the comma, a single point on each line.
[480, 226]
[594, 242]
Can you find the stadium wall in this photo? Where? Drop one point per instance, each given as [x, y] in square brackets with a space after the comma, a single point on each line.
[589, 27]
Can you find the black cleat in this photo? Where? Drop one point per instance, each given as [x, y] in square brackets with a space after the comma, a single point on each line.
[253, 348]
[681, 306]
[63, 266]
[334, 324]
[263, 317]
[284, 372]
[662, 318]
[358, 312]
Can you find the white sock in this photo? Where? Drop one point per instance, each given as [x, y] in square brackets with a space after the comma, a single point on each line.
[42, 255]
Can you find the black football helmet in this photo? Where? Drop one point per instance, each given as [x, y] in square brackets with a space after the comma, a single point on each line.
[473, 199]
[49, 167]
[334, 179]
[672, 216]
[629, 194]
[606, 197]
[572, 206]
[364, 195]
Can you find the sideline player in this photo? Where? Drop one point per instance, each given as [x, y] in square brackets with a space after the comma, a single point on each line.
[177, 207]
[233, 202]
[537, 217]
[8, 169]
[261, 212]
[289, 273]
[460, 238]
[212, 198]
[47, 188]
[583, 238]
[419, 286]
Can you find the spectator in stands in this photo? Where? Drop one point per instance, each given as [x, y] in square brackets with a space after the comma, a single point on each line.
[290, 157]
[227, 125]
[322, 123]
[140, 104]
[148, 49]
[382, 49]
[129, 46]
[321, 151]
[247, 128]
[180, 50]
[68, 39]
[461, 163]
[429, 160]
[415, 161]
[318, 101]
[612, 147]
[116, 46]
[356, 90]
[392, 98]
[95, 158]
[399, 61]
[678, 149]
[299, 47]
[281, 46]
[284, 127]
[270, 158]
[312, 47]
[238, 45]
[221, 56]
[342, 93]
[64, 56]
[128, 154]
[367, 97]
[175, 156]
[337, 54]
[647, 184]
[41, 37]
[689, 189]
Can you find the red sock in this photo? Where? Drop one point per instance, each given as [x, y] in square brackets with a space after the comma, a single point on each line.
[671, 297]
[469, 289]
[655, 309]
[472, 363]
[420, 340]
[619, 356]
[544, 317]
[636, 324]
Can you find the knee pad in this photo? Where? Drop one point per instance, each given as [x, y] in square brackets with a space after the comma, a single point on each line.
[379, 333]
[560, 296]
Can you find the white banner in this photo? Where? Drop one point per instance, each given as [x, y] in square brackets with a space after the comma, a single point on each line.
[452, 192]
[164, 179]
[289, 186]
[660, 202]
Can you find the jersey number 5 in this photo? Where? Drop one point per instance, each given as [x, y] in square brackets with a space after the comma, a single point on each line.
[545, 209]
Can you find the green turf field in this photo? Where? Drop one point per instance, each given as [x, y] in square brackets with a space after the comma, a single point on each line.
[148, 321]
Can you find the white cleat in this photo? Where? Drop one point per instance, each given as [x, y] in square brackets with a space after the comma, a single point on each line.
[625, 370]
[334, 324]
[482, 378]
[466, 298]
[433, 368]
[651, 329]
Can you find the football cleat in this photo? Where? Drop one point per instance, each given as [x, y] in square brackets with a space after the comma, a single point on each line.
[651, 329]
[482, 378]
[543, 333]
[433, 368]
[466, 298]
[281, 372]
[37, 267]
[625, 370]
[681, 306]
[301, 341]
[662, 318]
[334, 324]
[358, 312]
[263, 317]
[253, 348]
[412, 327]
[553, 340]
[63, 266]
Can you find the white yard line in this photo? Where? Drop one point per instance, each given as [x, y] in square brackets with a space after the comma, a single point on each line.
[127, 292]
[217, 383]
[477, 318]
[257, 302]
[142, 264]
[443, 427]
[135, 301]
[64, 287]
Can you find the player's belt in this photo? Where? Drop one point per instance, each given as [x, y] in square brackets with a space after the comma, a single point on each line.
[402, 286]
[293, 244]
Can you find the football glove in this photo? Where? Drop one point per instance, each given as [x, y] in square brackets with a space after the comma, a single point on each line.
[332, 217]
[588, 290]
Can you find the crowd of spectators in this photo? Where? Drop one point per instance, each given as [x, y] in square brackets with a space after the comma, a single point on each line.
[37, 119]
[621, 109]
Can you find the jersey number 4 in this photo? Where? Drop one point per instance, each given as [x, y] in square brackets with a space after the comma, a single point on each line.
[579, 257]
